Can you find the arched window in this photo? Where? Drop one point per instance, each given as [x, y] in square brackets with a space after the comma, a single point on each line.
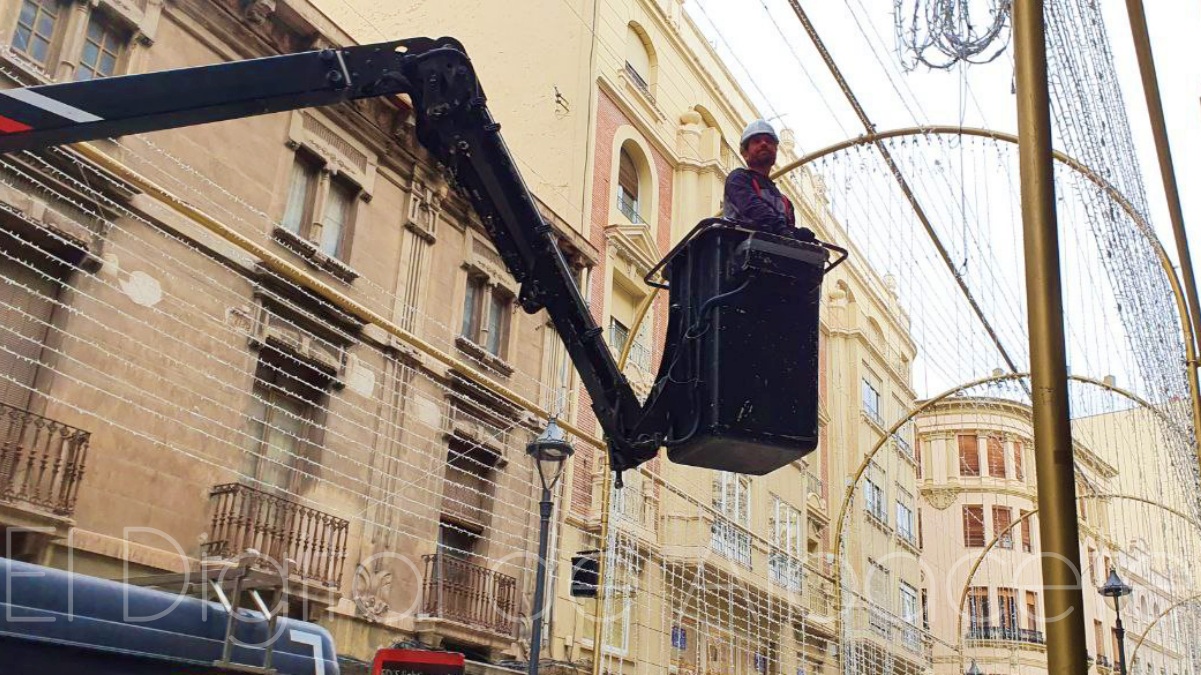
[628, 188]
[640, 59]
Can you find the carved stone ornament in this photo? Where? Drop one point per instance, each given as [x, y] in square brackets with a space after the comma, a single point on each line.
[369, 591]
[942, 498]
[258, 11]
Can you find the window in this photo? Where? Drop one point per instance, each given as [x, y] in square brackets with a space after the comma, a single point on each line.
[456, 542]
[628, 188]
[926, 609]
[1002, 518]
[969, 455]
[486, 311]
[919, 530]
[313, 191]
[467, 490]
[639, 61]
[27, 302]
[338, 204]
[732, 499]
[621, 599]
[629, 503]
[979, 612]
[619, 334]
[905, 523]
[37, 26]
[1032, 612]
[1007, 600]
[917, 456]
[284, 418]
[787, 548]
[871, 402]
[101, 49]
[1018, 472]
[973, 526]
[69, 40]
[1027, 545]
[875, 501]
[1099, 638]
[996, 458]
[909, 634]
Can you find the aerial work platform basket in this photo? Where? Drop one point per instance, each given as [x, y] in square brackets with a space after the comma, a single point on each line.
[737, 387]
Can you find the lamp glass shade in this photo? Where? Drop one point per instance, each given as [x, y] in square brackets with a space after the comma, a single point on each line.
[1115, 589]
[550, 450]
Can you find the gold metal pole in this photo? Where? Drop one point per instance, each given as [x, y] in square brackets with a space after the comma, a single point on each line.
[1063, 601]
[1159, 130]
[598, 614]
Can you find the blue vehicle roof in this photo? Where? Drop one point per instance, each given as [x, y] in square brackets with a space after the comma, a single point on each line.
[51, 620]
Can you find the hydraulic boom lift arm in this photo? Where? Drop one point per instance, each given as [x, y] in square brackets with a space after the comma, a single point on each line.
[453, 124]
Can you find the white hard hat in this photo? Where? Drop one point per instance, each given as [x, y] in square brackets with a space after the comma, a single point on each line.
[755, 128]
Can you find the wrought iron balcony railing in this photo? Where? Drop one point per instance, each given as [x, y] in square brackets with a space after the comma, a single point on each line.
[41, 460]
[629, 208]
[638, 80]
[460, 591]
[1006, 634]
[816, 486]
[280, 529]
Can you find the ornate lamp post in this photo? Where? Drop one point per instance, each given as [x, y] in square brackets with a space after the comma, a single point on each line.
[550, 452]
[1115, 589]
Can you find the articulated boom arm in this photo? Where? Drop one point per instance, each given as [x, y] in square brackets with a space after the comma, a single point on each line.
[453, 123]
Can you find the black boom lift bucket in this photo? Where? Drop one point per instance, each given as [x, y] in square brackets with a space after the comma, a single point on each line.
[737, 389]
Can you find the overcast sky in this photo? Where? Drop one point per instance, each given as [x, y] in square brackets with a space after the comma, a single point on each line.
[787, 76]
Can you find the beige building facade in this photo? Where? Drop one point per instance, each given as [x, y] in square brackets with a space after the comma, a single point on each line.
[981, 563]
[169, 404]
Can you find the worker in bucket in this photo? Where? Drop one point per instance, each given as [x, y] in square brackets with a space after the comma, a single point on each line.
[751, 197]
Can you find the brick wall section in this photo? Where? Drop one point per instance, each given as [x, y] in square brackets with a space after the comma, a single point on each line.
[609, 118]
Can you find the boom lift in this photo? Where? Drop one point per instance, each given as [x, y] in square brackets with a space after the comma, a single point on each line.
[737, 388]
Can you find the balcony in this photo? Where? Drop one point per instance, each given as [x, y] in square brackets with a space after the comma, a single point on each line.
[41, 461]
[638, 80]
[817, 487]
[873, 416]
[460, 591]
[629, 208]
[282, 530]
[1005, 634]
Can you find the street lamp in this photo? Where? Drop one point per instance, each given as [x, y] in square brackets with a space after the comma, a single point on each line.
[974, 669]
[1115, 589]
[550, 451]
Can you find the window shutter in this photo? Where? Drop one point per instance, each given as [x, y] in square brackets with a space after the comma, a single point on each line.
[300, 188]
[337, 211]
[1002, 517]
[1026, 545]
[969, 455]
[627, 177]
[26, 305]
[996, 458]
[973, 526]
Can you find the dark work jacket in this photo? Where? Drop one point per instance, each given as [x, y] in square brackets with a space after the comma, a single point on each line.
[752, 199]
